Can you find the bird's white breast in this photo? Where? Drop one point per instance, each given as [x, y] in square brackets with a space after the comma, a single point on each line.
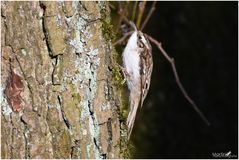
[131, 57]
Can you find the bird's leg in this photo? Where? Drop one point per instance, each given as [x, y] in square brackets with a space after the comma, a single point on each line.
[125, 73]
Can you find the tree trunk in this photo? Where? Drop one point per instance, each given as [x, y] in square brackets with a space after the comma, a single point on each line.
[60, 91]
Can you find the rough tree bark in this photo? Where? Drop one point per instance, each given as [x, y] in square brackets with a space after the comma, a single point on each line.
[58, 95]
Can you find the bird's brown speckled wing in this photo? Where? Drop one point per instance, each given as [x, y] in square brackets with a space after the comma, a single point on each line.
[146, 71]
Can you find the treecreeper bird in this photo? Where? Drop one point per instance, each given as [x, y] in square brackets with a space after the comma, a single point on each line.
[138, 66]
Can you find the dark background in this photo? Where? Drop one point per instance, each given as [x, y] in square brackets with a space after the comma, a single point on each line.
[203, 39]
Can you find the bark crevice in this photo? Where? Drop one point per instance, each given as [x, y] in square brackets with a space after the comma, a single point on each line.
[65, 119]
[26, 131]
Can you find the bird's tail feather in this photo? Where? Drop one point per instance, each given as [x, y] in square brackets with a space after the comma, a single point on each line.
[132, 115]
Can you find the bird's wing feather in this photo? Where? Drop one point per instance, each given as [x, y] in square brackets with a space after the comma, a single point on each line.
[146, 58]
